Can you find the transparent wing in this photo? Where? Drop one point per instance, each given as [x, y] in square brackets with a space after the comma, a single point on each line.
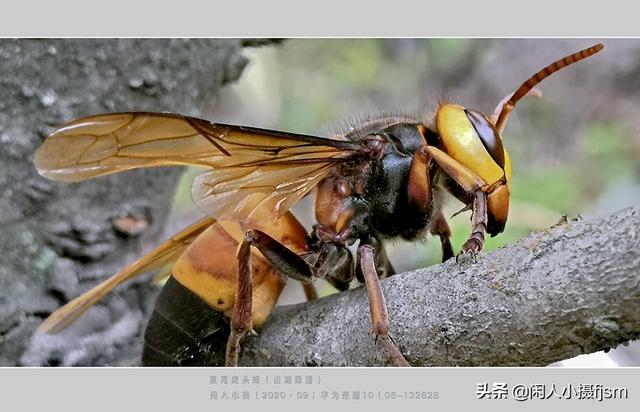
[240, 192]
[250, 167]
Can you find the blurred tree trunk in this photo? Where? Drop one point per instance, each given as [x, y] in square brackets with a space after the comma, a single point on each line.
[58, 240]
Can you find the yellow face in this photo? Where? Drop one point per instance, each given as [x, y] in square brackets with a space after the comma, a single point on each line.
[471, 139]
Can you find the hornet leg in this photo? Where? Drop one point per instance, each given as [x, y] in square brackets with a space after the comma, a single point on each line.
[441, 228]
[419, 186]
[379, 315]
[241, 318]
[474, 185]
[309, 291]
[420, 196]
[282, 259]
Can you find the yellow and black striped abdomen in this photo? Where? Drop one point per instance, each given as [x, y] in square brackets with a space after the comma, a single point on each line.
[190, 323]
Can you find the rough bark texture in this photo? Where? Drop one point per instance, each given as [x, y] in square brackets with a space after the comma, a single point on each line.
[572, 289]
[57, 240]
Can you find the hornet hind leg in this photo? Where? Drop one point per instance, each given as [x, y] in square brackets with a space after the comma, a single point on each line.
[282, 259]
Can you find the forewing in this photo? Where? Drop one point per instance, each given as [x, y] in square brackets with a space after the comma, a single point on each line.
[250, 167]
[159, 258]
[104, 144]
[110, 143]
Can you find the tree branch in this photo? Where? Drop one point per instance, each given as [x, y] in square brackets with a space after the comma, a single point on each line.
[568, 290]
[57, 239]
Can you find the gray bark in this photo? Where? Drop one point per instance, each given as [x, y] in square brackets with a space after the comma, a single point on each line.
[568, 290]
[58, 240]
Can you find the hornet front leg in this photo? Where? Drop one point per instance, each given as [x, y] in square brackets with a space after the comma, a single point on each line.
[475, 186]
[420, 196]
